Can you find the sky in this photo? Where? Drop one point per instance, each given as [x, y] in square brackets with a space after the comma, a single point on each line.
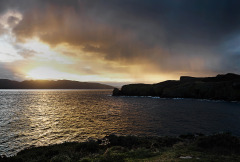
[118, 41]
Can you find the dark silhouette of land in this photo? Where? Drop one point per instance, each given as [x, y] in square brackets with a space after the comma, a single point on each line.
[221, 87]
[50, 84]
[188, 147]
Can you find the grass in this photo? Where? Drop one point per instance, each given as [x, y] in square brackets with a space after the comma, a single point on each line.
[220, 147]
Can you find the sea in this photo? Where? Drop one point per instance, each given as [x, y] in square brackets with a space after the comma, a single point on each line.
[31, 118]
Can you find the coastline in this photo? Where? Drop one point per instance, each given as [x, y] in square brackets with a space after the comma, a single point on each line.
[194, 147]
[222, 87]
[166, 98]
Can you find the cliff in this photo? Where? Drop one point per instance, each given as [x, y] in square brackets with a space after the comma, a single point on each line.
[50, 84]
[221, 87]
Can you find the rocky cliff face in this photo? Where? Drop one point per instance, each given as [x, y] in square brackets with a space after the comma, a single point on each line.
[221, 87]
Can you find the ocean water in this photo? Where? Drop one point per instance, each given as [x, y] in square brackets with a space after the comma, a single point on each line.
[31, 118]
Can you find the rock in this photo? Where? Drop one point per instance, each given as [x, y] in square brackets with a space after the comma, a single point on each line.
[138, 90]
[116, 92]
[185, 157]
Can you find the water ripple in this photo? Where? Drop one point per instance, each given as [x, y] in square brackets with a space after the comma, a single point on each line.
[41, 117]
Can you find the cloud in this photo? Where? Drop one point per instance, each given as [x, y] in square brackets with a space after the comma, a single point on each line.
[164, 36]
[6, 72]
[56, 25]
[2, 30]
[27, 53]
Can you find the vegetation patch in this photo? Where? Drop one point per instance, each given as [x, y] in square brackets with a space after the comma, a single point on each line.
[189, 147]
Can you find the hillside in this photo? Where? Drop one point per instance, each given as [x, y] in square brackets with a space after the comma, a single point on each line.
[50, 84]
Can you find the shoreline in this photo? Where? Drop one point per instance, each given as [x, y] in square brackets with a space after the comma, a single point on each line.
[166, 98]
[217, 147]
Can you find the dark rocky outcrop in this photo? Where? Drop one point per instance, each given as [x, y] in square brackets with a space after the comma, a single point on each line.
[50, 84]
[221, 87]
[116, 92]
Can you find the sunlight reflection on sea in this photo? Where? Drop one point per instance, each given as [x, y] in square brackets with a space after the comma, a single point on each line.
[42, 117]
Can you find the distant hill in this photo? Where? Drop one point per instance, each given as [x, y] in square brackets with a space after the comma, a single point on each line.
[221, 87]
[50, 84]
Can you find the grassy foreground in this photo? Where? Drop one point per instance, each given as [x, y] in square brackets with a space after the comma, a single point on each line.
[220, 147]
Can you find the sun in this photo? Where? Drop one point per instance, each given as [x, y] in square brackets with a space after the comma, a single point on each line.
[42, 73]
[51, 73]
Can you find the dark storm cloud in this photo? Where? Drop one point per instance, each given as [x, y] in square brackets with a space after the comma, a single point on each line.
[173, 35]
[201, 21]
